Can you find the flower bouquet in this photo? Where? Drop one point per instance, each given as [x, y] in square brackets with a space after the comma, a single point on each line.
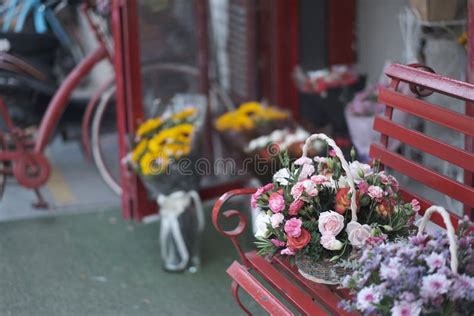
[163, 144]
[163, 157]
[427, 275]
[257, 133]
[319, 211]
[250, 120]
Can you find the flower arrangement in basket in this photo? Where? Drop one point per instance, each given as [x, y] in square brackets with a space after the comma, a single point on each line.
[427, 274]
[319, 211]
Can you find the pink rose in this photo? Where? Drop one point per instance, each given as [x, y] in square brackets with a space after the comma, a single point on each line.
[268, 187]
[332, 153]
[288, 252]
[277, 243]
[255, 197]
[363, 187]
[293, 227]
[259, 192]
[310, 188]
[276, 202]
[330, 222]
[384, 178]
[306, 171]
[358, 234]
[303, 161]
[295, 207]
[375, 192]
[276, 219]
[330, 242]
[297, 190]
[415, 205]
[319, 179]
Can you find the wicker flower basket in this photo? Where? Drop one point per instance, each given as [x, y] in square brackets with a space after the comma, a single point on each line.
[326, 271]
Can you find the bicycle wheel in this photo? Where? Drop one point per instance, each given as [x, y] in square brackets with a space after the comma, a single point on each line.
[166, 80]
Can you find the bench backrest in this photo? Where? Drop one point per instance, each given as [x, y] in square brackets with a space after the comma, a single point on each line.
[422, 82]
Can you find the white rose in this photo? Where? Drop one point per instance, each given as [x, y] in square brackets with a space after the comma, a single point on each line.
[282, 176]
[276, 219]
[358, 234]
[261, 222]
[330, 242]
[330, 222]
[359, 171]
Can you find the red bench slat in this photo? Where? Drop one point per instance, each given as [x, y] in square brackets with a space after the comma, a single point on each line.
[256, 290]
[425, 204]
[323, 293]
[424, 175]
[426, 110]
[295, 295]
[435, 82]
[425, 143]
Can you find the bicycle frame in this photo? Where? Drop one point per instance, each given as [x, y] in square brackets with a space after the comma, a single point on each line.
[30, 167]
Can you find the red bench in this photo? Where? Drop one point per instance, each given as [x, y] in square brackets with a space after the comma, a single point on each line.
[310, 298]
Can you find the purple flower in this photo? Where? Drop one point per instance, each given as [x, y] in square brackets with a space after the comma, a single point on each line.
[434, 285]
[390, 270]
[367, 297]
[404, 308]
[435, 261]
[462, 287]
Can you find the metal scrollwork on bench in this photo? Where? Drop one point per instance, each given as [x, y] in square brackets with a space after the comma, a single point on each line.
[233, 234]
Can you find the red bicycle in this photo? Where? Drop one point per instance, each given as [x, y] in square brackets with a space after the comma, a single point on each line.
[23, 156]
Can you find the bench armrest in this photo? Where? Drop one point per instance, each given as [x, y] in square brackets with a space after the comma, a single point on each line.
[242, 224]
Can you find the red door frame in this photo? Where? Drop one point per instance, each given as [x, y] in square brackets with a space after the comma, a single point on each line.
[135, 203]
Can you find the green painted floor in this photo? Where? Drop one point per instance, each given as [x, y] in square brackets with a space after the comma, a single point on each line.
[99, 264]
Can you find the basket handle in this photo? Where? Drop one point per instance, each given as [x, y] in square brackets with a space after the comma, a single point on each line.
[450, 231]
[344, 163]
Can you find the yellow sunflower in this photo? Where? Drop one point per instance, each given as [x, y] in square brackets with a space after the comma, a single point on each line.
[139, 150]
[149, 126]
[177, 134]
[186, 113]
[250, 108]
[153, 164]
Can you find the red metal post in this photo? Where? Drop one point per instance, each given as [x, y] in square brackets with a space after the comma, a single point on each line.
[135, 203]
[469, 141]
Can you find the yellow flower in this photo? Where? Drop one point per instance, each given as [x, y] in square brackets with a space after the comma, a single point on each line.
[234, 121]
[139, 150]
[152, 164]
[186, 113]
[148, 126]
[177, 134]
[250, 108]
[272, 114]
